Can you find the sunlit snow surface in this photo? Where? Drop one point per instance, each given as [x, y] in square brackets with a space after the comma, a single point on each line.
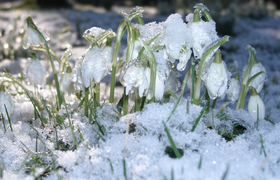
[242, 158]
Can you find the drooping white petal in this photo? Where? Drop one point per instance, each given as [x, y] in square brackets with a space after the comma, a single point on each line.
[216, 82]
[159, 91]
[255, 103]
[234, 90]
[32, 37]
[36, 72]
[258, 82]
[6, 100]
[66, 85]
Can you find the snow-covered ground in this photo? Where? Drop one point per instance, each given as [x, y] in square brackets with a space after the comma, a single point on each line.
[29, 150]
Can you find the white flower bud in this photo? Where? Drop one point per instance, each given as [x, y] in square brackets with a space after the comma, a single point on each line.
[216, 82]
[256, 107]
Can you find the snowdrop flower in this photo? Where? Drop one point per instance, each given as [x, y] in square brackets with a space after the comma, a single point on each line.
[233, 90]
[135, 77]
[258, 82]
[202, 34]
[36, 72]
[6, 100]
[96, 64]
[217, 78]
[256, 106]
[66, 84]
[32, 37]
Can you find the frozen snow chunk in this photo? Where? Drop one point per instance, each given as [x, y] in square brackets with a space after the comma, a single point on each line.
[36, 72]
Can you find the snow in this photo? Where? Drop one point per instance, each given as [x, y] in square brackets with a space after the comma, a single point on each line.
[244, 157]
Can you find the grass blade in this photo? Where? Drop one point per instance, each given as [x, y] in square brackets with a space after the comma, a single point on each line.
[200, 116]
[177, 153]
[8, 117]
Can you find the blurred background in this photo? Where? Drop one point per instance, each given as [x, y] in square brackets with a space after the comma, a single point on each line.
[164, 6]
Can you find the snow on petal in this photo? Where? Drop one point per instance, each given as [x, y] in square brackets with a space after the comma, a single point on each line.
[202, 35]
[175, 35]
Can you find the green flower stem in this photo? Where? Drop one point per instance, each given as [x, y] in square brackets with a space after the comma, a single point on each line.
[152, 63]
[96, 95]
[125, 102]
[137, 101]
[207, 98]
[59, 96]
[210, 51]
[86, 101]
[196, 16]
[214, 103]
[253, 92]
[120, 32]
[193, 79]
[244, 88]
[121, 29]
